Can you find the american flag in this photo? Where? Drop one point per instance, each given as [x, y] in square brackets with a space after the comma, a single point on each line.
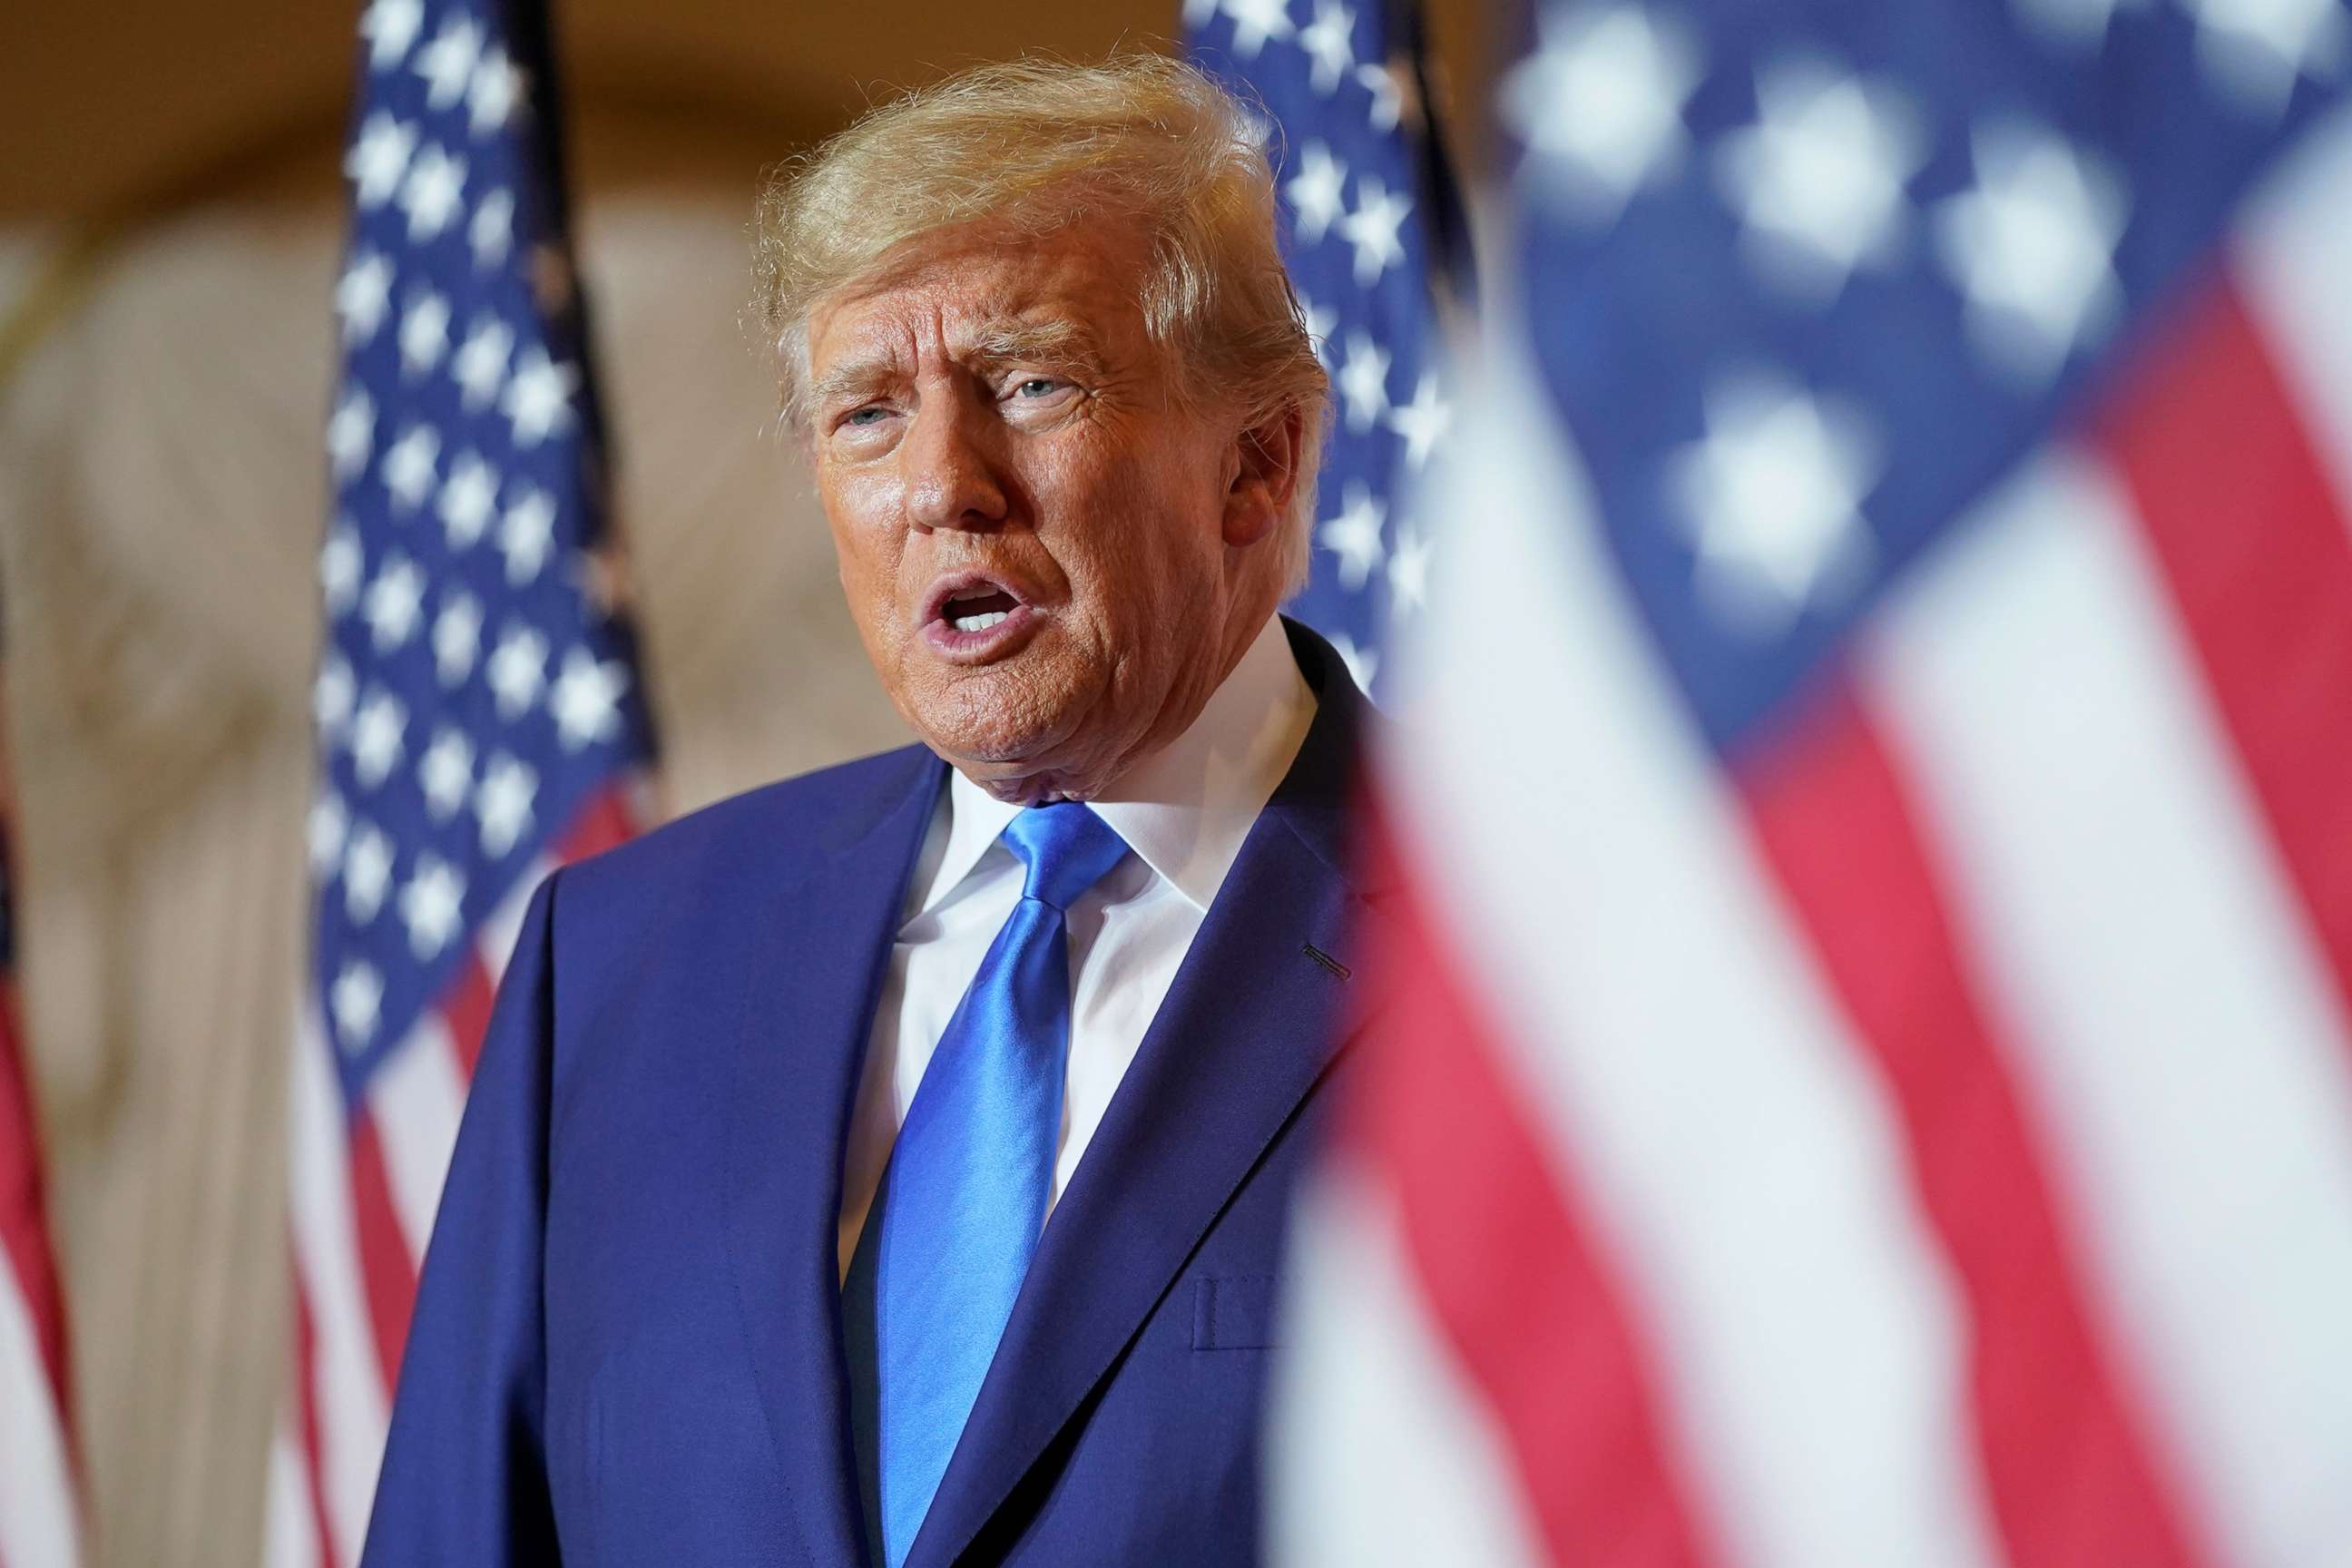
[479, 718]
[39, 1511]
[1868, 1077]
[1371, 225]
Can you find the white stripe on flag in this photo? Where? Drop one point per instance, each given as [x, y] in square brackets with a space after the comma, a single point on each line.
[291, 1540]
[1368, 1407]
[346, 1375]
[2294, 262]
[416, 1099]
[1742, 1157]
[2179, 1040]
[37, 1508]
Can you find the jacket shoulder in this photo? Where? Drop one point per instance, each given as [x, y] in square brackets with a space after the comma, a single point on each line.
[775, 826]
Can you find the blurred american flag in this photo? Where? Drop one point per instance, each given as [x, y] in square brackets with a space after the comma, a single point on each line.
[1868, 1073]
[1371, 228]
[479, 716]
[39, 1504]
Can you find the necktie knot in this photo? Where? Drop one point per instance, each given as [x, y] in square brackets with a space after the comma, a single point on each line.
[1067, 848]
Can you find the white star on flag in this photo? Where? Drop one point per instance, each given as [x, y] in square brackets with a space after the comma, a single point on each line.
[586, 700]
[446, 63]
[1423, 422]
[1372, 228]
[2031, 248]
[377, 731]
[1773, 495]
[433, 192]
[379, 158]
[503, 803]
[410, 468]
[1329, 42]
[1388, 96]
[1408, 572]
[424, 332]
[2256, 50]
[355, 996]
[526, 535]
[332, 697]
[467, 498]
[1354, 536]
[495, 93]
[432, 905]
[491, 234]
[445, 772]
[340, 565]
[367, 873]
[395, 601]
[350, 433]
[1318, 192]
[537, 400]
[1364, 382]
[390, 27]
[457, 637]
[1600, 105]
[1818, 179]
[480, 364]
[323, 831]
[362, 295]
[517, 671]
[1254, 22]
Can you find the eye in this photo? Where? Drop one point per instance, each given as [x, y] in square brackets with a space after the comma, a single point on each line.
[869, 415]
[1037, 386]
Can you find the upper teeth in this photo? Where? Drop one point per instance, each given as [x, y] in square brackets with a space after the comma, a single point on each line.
[976, 623]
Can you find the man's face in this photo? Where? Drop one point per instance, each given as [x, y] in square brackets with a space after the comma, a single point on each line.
[1052, 559]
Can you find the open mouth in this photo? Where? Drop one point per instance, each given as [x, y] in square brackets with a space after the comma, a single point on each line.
[977, 609]
[971, 618]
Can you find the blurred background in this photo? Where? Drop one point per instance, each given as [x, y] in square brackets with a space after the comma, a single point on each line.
[172, 220]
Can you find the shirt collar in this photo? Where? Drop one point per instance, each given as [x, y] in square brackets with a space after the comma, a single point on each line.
[1186, 808]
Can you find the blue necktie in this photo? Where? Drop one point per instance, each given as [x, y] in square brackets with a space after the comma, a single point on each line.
[963, 1201]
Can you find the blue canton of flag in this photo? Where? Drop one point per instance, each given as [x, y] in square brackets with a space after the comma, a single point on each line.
[1355, 179]
[475, 688]
[1808, 280]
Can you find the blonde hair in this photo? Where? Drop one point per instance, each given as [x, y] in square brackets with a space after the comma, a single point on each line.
[1038, 144]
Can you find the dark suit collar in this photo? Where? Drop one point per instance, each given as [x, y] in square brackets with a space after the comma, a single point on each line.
[1242, 1038]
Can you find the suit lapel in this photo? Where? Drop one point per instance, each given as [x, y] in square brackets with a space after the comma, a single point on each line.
[814, 958]
[1244, 1034]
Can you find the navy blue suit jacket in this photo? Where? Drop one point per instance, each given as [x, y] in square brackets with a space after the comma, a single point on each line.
[626, 1348]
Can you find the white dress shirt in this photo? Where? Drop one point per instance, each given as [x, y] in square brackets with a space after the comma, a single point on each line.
[1183, 812]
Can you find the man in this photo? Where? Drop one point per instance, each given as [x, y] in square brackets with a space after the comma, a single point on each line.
[892, 1165]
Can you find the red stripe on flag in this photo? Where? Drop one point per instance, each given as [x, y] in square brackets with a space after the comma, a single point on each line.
[386, 1266]
[306, 1383]
[1510, 1269]
[2065, 1459]
[467, 1012]
[603, 823]
[23, 1220]
[2253, 542]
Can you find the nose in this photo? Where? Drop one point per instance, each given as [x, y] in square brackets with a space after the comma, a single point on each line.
[951, 464]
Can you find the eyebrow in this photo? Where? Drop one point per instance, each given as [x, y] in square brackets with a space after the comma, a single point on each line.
[1057, 341]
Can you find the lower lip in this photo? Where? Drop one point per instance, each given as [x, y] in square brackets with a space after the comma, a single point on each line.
[986, 645]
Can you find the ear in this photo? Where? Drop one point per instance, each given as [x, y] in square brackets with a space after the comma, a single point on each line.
[1265, 477]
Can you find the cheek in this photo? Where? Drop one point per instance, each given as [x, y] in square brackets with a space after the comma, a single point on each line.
[868, 545]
